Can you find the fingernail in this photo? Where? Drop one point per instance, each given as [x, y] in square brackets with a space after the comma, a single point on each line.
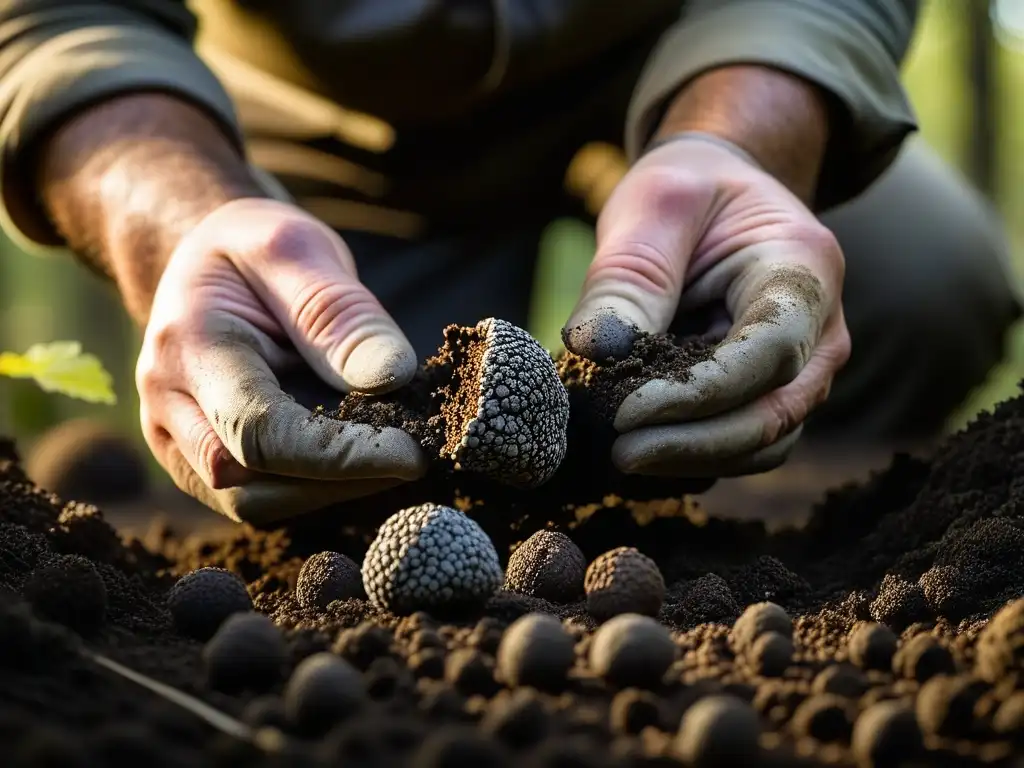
[604, 335]
[379, 364]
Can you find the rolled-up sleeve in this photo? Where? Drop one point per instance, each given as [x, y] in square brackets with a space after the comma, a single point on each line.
[852, 49]
[57, 58]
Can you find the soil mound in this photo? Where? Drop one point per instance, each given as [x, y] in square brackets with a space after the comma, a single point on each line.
[865, 639]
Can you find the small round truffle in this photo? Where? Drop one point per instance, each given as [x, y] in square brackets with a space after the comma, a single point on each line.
[200, 601]
[548, 565]
[536, 651]
[623, 580]
[719, 730]
[771, 654]
[945, 705]
[872, 646]
[89, 460]
[326, 577]
[322, 690]
[247, 652]
[886, 733]
[471, 673]
[602, 338]
[922, 657]
[430, 557]
[757, 620]
[68, 590]
[509, 417]
[825, 717]
[632, 650]
[842, 679]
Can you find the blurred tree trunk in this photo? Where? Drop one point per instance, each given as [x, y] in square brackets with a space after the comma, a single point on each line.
[981, 61]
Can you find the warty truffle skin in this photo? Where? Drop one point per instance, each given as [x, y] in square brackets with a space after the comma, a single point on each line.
[518, 433]
[326, 577]
[202, 599]
[548, 565]
[623, 580]
[430, 557]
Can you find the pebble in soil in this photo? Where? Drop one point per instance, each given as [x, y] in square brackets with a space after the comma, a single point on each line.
[856, 689]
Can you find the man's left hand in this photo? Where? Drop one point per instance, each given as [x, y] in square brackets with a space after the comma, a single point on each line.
[693, 223]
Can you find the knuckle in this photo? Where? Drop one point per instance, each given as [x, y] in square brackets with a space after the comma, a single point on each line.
[323, 307]
[293, 237]
[643, 264]
[668, 189]
[784, 415]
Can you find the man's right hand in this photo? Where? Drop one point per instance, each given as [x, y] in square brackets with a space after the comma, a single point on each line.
[257, 287]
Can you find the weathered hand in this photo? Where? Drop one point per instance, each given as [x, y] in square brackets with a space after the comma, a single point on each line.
[256, 288]
[694, 223]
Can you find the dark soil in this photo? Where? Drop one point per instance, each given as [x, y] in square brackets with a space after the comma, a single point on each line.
[433, 405]
[928, 548]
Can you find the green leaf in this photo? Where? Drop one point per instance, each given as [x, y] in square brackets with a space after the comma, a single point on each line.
[61, 366]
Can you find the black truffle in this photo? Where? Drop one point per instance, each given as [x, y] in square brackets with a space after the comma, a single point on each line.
[872, 646]
[706, 599]
[843, 680]
[69, 590]
[717, 731]
[322, 690]
[771, 654]
[471, 673]
[536, 651]
[430, 557]
[508, 415]
[548, 565]
[602, 338]
[247, 652]
[922, 657]
[632, 650]
[326, 577]
[202, 600]
[825, 718]
[623, 580]
[886, 733]
[945, 705]
[758, 619]
[633, 709]
[89, 460]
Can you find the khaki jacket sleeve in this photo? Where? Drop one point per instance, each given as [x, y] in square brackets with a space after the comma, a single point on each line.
[852, 49]
[59, 57]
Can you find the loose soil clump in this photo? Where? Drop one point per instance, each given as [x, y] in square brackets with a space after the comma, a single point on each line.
[888, 631]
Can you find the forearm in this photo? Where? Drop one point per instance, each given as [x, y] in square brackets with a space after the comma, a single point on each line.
[125, 180]
[780, 119]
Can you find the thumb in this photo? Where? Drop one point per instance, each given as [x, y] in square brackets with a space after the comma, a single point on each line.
[646, 234]
[306, 276]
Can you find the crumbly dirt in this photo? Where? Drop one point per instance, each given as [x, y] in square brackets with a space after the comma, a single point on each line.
[434, 407]
[928, 548]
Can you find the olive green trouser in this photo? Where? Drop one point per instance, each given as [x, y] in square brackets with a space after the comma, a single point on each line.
[928, 296]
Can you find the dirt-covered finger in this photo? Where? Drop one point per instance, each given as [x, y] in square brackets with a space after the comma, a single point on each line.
[736, 434]
[265, 430]
[638, 458]
[767, 348]
[188, 427]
